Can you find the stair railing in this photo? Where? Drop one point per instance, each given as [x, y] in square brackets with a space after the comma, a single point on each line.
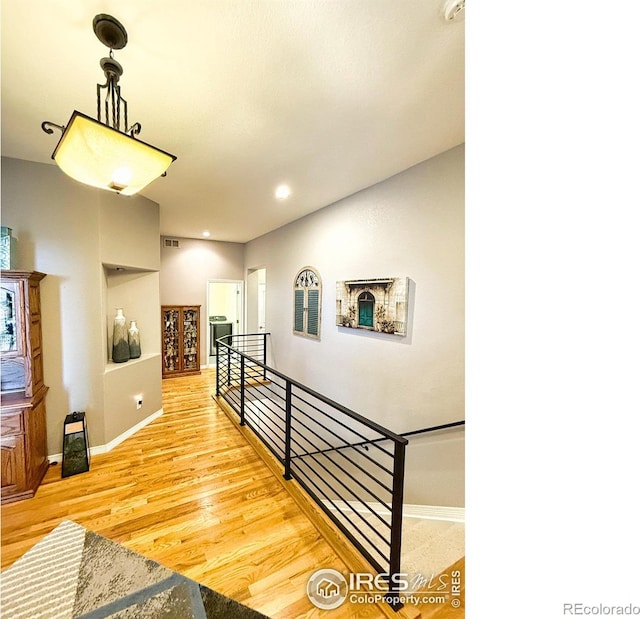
[352, 467]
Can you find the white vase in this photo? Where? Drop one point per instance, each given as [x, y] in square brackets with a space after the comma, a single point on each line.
[120, 349]
[134, 340]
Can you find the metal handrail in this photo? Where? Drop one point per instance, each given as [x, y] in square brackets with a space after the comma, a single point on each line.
[343, 409]
[443, 426]
[323, 446]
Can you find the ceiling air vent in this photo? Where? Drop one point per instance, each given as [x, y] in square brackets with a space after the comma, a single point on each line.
[171, 243]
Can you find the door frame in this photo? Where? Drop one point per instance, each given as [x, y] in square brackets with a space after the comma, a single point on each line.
[362, 300]
[256, 300]
[238, 326]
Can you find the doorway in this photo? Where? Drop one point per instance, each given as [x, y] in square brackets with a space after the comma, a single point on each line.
[224, 311]
[257, 300]
[365, 310]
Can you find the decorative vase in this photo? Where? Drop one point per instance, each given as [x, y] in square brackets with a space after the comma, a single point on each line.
[134, 340]
[7, 249]
[120, 351]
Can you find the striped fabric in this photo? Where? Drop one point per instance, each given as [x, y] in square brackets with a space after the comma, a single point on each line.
[42, 583]
[74, 573]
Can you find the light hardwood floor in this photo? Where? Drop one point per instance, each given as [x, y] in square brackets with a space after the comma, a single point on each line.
[189, 492]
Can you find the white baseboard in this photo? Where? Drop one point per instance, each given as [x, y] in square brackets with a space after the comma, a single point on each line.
[424, 512]
[103, 449]
[434, 512]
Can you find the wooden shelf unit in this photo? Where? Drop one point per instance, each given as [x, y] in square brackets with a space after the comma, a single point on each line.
[180, 340]
[23, 411]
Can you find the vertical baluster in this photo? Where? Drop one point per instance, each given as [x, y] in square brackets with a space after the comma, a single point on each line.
[242, 422]
[264, 355]
[217, 369]
[287, 435]
[396, 515]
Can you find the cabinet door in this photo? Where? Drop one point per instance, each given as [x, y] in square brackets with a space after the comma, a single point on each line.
[34, 338]
[36, 442]
[191, 353]
[12, 344]
[171, 344]
[12, 464]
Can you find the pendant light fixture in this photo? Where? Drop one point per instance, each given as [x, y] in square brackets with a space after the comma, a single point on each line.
[106, 153]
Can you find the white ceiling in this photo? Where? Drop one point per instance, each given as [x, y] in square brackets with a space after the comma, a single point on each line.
[328, 96]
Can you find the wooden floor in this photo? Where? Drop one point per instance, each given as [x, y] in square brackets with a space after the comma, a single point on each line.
[190, 493]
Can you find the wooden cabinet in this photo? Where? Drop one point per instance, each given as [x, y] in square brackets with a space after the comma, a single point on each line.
[24, 418]
[180, 340]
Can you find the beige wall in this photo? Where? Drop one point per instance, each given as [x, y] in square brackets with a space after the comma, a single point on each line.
[67, 230]
[137, 293]
[129, 231]
[186, 270]
[411, 225]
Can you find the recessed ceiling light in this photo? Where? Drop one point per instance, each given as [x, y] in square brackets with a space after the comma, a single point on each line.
[206, 233]
[283, 192]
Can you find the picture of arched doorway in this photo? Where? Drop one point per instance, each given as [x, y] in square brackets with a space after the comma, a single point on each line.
[366, 302]
[379, 305]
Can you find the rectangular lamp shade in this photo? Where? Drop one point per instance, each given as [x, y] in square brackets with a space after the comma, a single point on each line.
[97, 155]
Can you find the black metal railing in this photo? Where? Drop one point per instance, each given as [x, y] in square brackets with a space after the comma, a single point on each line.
[443, 426]
[352, 467]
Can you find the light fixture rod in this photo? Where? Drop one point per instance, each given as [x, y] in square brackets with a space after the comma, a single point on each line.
[48, 127]
[116, 109]
[115, 106]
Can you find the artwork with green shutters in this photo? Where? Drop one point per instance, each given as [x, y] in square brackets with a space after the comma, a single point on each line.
[299, 311]
[313, 312]
[307, 299]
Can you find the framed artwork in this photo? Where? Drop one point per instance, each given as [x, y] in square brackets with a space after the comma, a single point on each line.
[378, 305]
[307, 300]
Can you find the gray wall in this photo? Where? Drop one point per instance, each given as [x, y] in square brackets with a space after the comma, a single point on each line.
[409, 225]
[70, 231]
[186, 270]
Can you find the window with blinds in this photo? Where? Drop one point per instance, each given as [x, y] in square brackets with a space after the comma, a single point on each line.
[307, 297]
